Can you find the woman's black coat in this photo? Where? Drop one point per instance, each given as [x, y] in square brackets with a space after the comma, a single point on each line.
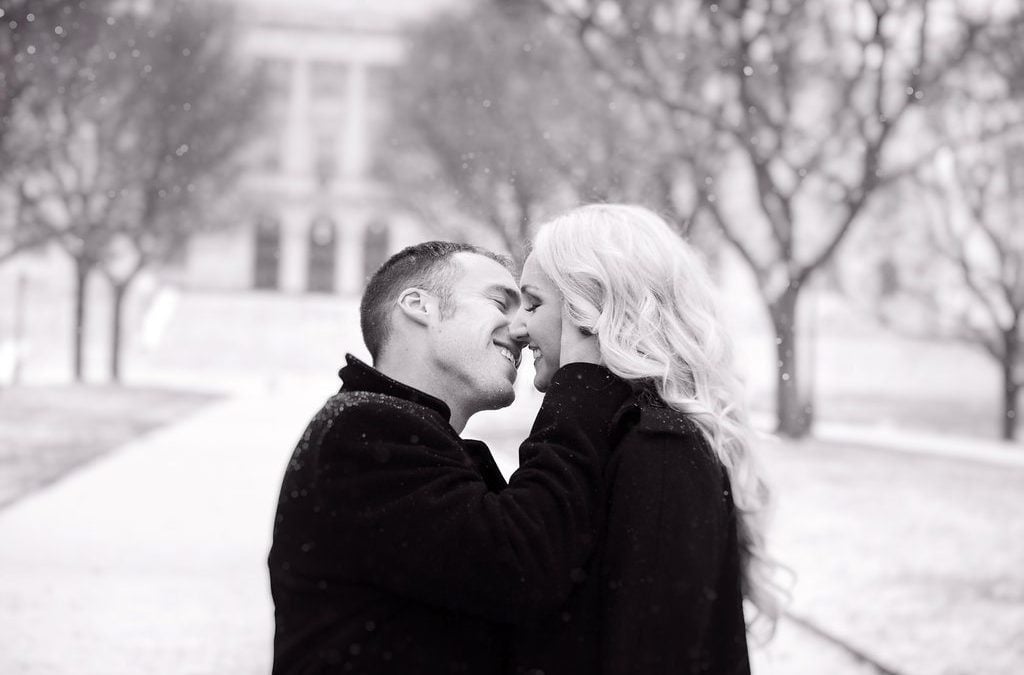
[662, 593]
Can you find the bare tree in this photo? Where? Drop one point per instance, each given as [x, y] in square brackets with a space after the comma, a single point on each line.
[136, 144]
[498, 118]
[64, 174]
[33, 35]
[976, 230]
[199, 110]
[962, 274]
[803, 98]
[19, 232]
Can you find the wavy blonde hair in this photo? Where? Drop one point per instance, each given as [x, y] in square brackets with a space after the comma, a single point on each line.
[628, 278]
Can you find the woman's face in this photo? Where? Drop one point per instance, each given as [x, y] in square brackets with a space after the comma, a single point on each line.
[538, 323]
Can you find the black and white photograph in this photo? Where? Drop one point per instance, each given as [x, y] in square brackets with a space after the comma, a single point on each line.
[511, 337]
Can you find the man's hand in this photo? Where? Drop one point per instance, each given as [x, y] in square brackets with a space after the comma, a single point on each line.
[577, 345]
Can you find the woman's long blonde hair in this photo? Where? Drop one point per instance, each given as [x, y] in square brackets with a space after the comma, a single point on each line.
[628, 278]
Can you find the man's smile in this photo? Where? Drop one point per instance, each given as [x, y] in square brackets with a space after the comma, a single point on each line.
[513, 354]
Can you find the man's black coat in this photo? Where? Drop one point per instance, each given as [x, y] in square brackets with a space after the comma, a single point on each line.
[395, 548]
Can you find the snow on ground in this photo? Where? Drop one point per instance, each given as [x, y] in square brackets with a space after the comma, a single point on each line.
[916, 560]
[47, 431]
[152, 559]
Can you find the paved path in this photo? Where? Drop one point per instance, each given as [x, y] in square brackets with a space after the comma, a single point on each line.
[152, 559]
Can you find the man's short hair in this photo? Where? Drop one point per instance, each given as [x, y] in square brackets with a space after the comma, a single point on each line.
[428, 266]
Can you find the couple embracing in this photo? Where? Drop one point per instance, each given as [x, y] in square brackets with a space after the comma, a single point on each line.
[630, 536]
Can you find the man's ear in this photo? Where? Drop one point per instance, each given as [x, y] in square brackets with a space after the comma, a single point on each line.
[417, 304]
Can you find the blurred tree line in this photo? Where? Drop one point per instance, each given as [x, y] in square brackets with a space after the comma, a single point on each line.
[776, 126]
[779, 128]
[121, 125]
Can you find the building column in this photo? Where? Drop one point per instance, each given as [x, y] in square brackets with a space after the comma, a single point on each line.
[350, 258]
[294, 250]
[298, 145]
[353, 160]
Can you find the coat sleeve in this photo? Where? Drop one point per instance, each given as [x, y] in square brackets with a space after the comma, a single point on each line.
[421, 522]
[665, 537]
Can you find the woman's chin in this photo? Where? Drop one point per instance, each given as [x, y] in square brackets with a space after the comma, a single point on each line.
[541, 382]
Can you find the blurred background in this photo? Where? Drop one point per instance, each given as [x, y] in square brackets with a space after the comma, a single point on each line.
[193, 193]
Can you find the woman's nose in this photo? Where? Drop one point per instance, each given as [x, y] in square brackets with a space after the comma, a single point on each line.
[518, 327]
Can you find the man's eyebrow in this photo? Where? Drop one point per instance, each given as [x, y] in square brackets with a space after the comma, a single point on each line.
[510, 293]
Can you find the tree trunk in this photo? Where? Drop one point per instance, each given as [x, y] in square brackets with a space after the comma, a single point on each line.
[119, 290]
[20, 345]
[794, 416]
[524, 205]
[1011, 387]
[83, 267]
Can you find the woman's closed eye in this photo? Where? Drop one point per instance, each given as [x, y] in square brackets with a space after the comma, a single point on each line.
[530, 302]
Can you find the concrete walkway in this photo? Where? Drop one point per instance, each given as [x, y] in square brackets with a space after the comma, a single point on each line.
[152, 559]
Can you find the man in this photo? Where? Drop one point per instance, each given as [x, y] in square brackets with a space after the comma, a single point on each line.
[398, 548]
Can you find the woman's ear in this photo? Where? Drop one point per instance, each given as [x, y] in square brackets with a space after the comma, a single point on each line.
[416, 304]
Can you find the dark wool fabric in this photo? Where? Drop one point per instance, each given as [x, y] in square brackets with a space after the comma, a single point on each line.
[662, 594]
[398, 547]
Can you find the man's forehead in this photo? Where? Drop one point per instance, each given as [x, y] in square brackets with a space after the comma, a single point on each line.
[481, 270]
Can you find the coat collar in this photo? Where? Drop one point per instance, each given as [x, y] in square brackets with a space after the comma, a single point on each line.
[654, 415]
[358, 376]
[665, 420]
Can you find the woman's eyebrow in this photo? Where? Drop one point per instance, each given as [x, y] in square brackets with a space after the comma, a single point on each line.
[529, 290]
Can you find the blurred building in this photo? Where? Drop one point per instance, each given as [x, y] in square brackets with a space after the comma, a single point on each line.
[315, 216]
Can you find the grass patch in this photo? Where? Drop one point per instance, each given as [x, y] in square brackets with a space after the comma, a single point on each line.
[937, 414]
[47, 431]
[964, 416]
[914, 559]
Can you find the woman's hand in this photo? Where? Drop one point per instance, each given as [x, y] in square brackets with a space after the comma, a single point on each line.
[577, 345]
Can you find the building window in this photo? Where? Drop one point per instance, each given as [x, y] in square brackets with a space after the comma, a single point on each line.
[277, 74]
[322, 255]
[270, 149]
[375, 247]
[267, 261]
[329, 80]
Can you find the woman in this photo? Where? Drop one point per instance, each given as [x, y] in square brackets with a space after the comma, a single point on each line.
[682, 544]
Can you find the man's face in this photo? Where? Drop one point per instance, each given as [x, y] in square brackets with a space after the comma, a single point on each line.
[472, 349]
[539, 322]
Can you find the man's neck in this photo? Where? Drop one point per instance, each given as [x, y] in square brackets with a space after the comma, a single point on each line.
[409, 369]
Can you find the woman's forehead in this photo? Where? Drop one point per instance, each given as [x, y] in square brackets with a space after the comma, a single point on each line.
[534, 277]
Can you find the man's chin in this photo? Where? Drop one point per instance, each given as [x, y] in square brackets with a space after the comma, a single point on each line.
[507, 400]
[501, 399]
